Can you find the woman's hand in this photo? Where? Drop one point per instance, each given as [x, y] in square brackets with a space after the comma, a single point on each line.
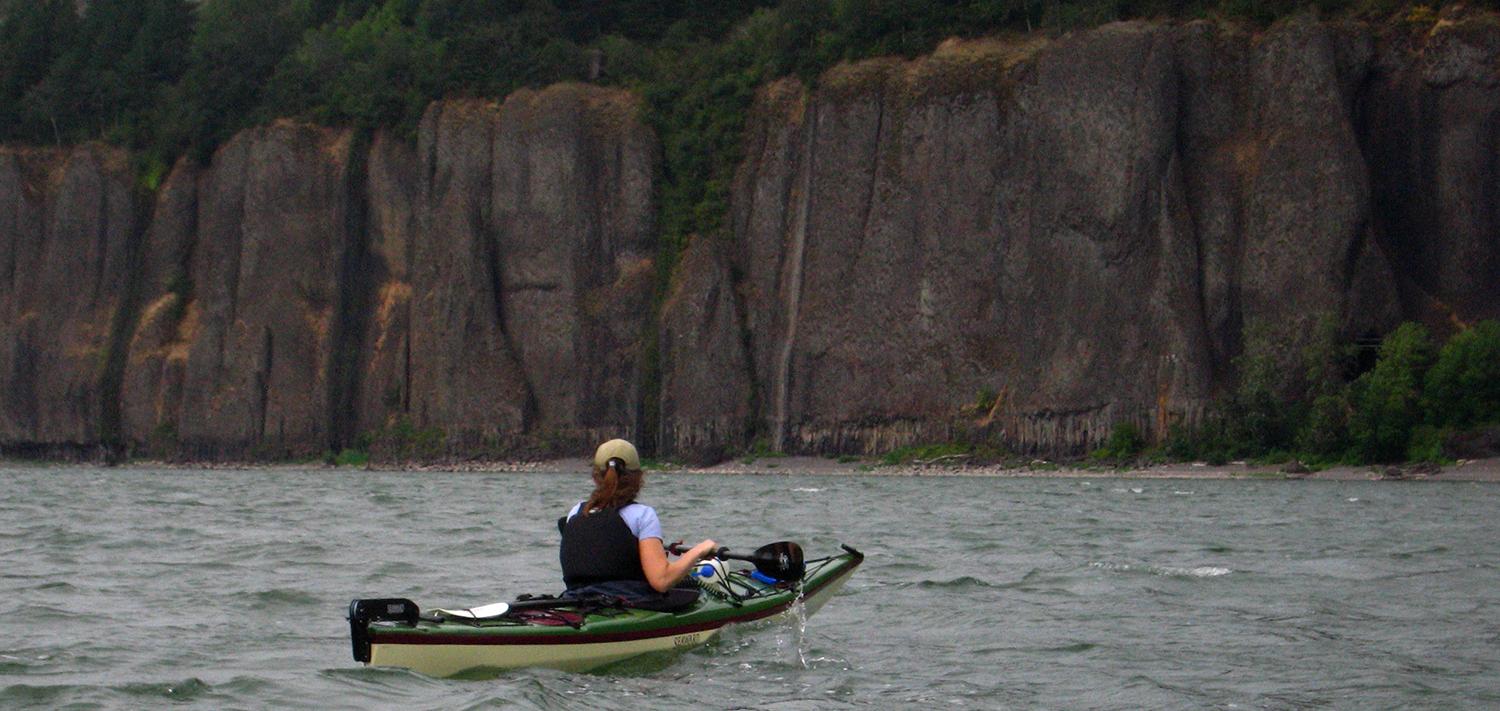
[663, 574]
[706, 548]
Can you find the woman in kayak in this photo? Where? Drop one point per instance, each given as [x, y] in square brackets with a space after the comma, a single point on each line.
[613, 545]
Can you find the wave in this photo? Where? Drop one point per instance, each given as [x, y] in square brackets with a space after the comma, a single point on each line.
[278, 597]
[172, 502]
[183, 690]
[35, 612]
[1171, 571]
[55, 586]
[964, 582]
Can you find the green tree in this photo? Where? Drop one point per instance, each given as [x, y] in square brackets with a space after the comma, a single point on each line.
[115, 70]
[378, 70]
[236, 47]
[35, 35]
[1463, 387]
[1387, 399]
[492, 48]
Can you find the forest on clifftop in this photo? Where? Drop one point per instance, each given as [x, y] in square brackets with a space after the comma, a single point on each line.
[165, 78]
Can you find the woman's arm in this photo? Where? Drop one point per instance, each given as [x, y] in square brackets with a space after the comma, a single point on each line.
[663, 574]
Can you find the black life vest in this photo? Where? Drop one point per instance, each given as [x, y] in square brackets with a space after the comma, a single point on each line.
[598, 548]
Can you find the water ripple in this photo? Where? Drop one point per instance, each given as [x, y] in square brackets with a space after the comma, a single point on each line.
[960, 583]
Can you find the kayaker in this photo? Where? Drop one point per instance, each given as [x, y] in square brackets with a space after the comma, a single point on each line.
[612, 544]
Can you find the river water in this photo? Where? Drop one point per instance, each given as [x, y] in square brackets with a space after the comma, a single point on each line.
[227, 589]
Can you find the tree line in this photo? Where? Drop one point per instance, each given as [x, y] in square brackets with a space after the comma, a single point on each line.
[166, 78]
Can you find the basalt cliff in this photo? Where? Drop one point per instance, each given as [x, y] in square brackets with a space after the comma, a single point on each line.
[1027, 241]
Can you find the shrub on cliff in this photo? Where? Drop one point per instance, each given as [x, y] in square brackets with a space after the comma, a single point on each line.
[1287, 400]
[1463, 387]
[1324, 435]
[1125, 444]
[1387, 400]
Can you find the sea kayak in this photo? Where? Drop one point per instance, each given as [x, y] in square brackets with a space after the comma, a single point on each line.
[580, 635]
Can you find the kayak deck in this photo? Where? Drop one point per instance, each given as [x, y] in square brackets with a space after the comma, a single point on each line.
[571, 637]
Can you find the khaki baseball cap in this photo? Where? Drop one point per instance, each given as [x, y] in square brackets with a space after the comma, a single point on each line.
[617, 448]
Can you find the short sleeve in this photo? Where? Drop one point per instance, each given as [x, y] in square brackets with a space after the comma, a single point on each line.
[642, 521]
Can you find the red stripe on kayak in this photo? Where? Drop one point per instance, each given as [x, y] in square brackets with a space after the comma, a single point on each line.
[594, 637]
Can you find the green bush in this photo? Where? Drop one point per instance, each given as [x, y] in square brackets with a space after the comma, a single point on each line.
[760, 449]
[985, 400]
[1125, 443]
[352, 458]
[1463, 387]
[1324, 435]
[1387, 399]
[1405, 408]
[1426, 445]
[401, 440]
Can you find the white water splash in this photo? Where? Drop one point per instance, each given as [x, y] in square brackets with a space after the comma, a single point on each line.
[797, 613]
[1202, 571]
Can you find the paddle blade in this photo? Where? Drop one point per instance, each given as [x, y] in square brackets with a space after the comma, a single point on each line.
[781, 560]
[483, 612]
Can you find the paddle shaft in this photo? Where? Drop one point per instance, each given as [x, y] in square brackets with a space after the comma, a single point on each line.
[781, 560]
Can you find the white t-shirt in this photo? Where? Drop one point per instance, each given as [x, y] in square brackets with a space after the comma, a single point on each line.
[640, 518]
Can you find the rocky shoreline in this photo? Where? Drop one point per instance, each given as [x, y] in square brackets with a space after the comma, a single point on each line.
[1464, 470]
[1473, 470]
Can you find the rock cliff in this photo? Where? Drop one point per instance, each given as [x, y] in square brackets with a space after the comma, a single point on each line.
[485, 290]
[1024, 240]
[1034, 241]
[69, 229]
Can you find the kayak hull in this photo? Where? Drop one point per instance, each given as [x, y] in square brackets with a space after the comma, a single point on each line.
[450, 648]
[445, 660]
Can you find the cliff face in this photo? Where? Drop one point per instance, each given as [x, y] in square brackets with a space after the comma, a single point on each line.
[1430, 128]
[1034, 242]
[1026, 241]
[233, 357]
[68, 231]
[484, 288]
[528, 274]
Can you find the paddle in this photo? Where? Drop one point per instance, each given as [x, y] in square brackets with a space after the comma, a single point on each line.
[483, 612]
[781, 560]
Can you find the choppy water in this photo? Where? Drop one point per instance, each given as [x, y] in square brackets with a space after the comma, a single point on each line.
[227, 589]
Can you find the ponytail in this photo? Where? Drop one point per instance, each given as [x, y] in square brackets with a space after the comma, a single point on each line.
[614, 486]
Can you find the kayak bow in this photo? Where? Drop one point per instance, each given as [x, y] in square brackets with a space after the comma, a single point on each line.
[573, 636]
